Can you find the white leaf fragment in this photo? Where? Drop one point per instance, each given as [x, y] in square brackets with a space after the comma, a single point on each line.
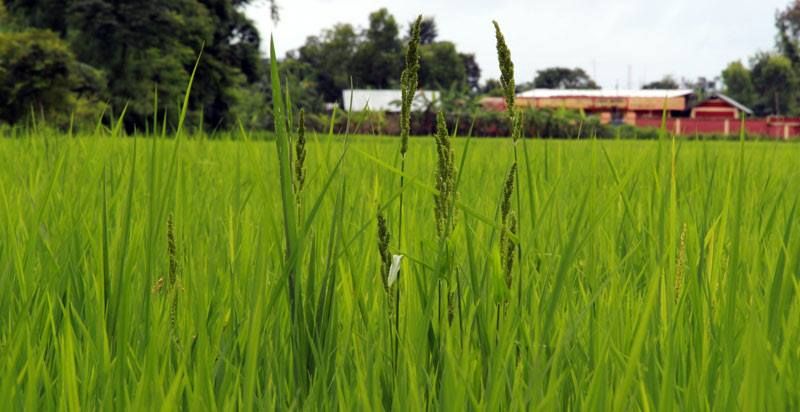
[394, 269]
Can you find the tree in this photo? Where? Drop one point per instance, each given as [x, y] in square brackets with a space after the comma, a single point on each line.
[378, 61]
[787, 22]
[38, 73]
[441, 66]
[146, 46]
[42, 14]
[328, 59]
[3, 13]
[373, 58]
[563, 78]
[666, 83]
[231, 61]
[738, 83]
[776, 83]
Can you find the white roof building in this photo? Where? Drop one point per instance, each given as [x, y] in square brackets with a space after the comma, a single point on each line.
[386, 100]
[550, 93]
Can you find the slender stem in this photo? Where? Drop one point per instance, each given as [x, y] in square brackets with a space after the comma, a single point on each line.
[396, 331]
[400, 220]
[519, 225]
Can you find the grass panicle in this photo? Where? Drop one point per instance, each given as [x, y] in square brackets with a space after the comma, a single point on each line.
[508, 225]
[445, 178]
[516, 118]
[680, 264]
[506, 69]
[508, 192]
[384, 238]
[172, 251]
[509, 247]
[300, 154]
[516, 127]
[172, 285]
[409, 79]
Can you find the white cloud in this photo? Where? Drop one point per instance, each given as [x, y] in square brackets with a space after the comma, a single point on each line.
[686, 38]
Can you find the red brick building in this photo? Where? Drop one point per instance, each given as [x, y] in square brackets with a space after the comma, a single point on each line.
[717, 114]
[612, 106]
[719, 106]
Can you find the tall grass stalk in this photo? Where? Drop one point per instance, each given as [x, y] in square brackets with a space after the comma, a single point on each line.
[408, 87]
[409, 79]
[515, 117]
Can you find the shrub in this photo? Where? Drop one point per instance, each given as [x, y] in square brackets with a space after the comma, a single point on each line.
[39, 74]
[34, 73]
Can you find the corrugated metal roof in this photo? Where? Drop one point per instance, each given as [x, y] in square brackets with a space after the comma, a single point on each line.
[733, 103]
[555, 93]
[386, 100]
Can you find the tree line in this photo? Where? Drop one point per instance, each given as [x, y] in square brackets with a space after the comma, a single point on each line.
[343, 56]
[68, 61]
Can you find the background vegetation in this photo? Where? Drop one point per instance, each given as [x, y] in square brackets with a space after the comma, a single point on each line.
[126, 56]
[74, 62]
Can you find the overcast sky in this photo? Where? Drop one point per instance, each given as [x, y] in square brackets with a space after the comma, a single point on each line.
[607, 38]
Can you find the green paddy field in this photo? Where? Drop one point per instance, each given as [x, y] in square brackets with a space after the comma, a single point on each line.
[153, 274]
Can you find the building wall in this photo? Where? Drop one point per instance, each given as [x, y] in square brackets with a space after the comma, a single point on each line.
[717, 113]
[783, 128]
[715, 109]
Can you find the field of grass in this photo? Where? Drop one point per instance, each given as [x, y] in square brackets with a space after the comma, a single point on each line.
[150, 274]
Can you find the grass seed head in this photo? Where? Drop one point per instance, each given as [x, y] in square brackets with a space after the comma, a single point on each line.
[680, 264]
[408, 84]
[384, 237]
[506, 69]
[445, 178]
[300, 154]
[516, 125]
[508, 191]
[509, 225]
[172, 251]
[508, 248]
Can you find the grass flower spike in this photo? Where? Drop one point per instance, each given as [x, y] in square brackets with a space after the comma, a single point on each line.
[409, 80]
[506, 68]
[300, 154]
[445, 178]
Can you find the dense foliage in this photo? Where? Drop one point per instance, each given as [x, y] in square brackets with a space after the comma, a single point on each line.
[96, 58]
[147, 50]
[37, 74]
[667, 83]
[563, 78]
[372, 58]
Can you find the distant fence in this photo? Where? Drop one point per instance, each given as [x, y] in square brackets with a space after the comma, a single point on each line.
[784, 128]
